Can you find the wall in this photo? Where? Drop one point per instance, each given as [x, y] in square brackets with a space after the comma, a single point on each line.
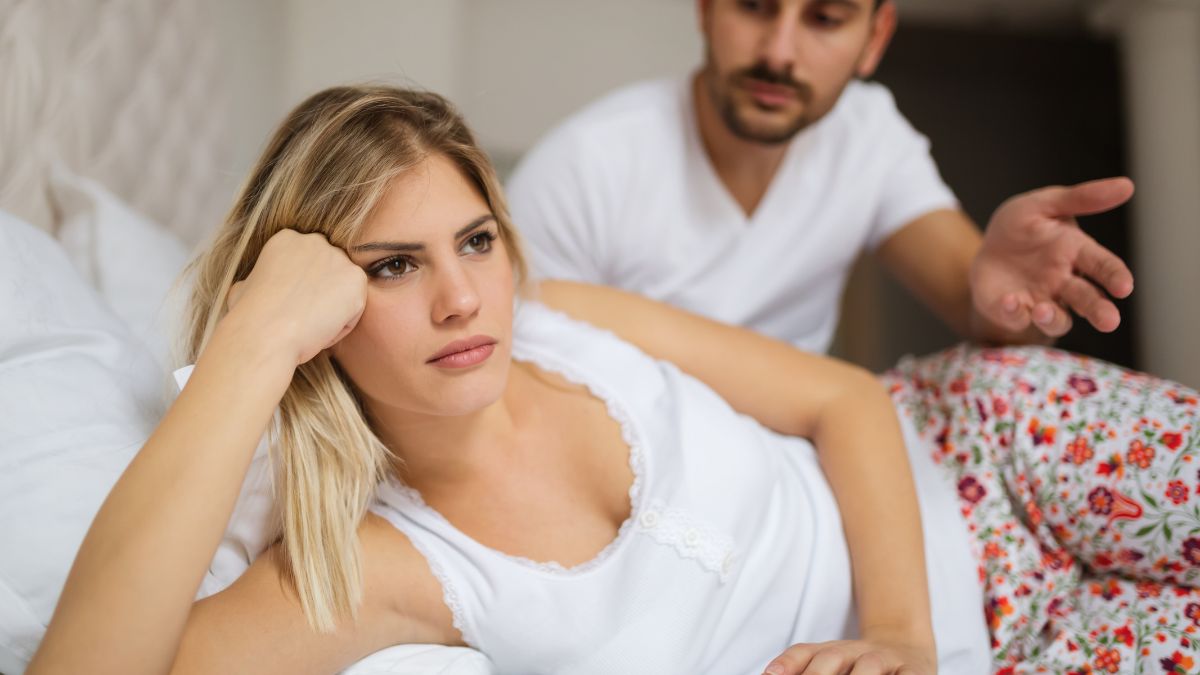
[532, 62]
[415, 41]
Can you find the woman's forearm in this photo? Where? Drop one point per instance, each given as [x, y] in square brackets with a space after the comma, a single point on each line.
[130, 590]
[842, 408]
[862, 452]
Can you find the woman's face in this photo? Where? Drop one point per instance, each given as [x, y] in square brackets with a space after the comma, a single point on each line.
[435, 337]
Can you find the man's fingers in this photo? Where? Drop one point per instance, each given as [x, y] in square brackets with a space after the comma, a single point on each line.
[1086, 300]
[1014, 315]
[1084, 199]
[1105, 268]
[1051, 319]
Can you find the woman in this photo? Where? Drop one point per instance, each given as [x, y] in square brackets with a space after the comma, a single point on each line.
[547, 492]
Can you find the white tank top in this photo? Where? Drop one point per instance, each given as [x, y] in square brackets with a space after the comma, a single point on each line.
[733, 549]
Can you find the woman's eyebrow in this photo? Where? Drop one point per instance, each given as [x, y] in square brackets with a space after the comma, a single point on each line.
[407, 246]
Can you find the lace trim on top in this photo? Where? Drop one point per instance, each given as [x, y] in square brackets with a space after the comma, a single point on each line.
[690, 537]
[629, 434]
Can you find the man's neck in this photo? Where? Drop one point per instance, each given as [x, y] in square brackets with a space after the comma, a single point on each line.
[746, 168]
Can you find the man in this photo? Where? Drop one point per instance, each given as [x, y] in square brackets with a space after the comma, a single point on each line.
[746, 191]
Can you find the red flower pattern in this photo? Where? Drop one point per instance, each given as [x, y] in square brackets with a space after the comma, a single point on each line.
[1140, 454]
[1078, 451]
[1032, 509]
[1177, 492]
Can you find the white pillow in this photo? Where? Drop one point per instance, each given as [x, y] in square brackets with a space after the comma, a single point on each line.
[79, 394]
[129, 259]
[423, 660]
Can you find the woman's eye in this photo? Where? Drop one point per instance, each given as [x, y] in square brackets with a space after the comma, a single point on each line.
[393, 268]
[480, 242]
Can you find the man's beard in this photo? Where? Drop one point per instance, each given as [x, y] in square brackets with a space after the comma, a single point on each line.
[723, 101]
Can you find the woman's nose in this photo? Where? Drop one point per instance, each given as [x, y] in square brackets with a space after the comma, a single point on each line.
[456, 296]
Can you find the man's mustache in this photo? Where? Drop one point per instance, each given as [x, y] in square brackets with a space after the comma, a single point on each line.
[763, 73]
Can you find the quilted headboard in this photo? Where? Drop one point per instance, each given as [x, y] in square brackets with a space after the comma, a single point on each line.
[127, 92]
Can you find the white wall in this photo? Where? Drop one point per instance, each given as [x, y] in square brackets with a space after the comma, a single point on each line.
[531, 62]
[515, 67]
[1160, 41]
[251, 36]
[277, 52]
[413, 41]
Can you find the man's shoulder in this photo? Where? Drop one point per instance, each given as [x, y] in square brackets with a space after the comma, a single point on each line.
[607, 137]
[864, 101]
[634, 110]
[867, 116]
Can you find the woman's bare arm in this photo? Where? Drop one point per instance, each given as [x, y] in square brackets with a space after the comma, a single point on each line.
[257, 626]
[131, 587]
[128, 607]
[842, 408]
[130, 591]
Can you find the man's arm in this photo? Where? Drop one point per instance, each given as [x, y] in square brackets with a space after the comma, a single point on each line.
[932, 258]
[1024, 277]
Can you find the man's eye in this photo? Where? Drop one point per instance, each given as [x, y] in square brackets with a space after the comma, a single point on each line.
[827, 20]
[752, 5]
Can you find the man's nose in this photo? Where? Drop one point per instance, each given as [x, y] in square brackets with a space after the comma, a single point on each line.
[778, 50]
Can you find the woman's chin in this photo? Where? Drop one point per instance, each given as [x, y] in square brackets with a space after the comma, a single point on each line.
[468, 395]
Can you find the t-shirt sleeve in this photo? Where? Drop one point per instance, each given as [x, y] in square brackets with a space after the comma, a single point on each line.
[558, 202]
[912, 186]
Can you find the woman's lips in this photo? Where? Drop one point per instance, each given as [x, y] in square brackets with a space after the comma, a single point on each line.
[466, 358]
[464, 353]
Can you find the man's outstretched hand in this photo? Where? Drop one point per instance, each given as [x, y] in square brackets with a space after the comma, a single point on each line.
[1036, 263]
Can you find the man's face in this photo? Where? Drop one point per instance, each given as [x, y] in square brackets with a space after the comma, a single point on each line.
[775, 66]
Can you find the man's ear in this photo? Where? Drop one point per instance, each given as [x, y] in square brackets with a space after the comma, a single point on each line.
[883, 27]
[703, 12]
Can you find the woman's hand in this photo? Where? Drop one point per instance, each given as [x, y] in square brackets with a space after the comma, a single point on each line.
[303, 292]
[856, 657]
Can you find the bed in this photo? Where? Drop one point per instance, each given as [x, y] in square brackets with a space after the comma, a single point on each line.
[115, 163]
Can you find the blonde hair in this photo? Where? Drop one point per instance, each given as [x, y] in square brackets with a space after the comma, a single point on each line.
[324, 170]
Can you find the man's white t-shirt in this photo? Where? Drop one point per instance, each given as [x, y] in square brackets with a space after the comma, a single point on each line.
[623, 194]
